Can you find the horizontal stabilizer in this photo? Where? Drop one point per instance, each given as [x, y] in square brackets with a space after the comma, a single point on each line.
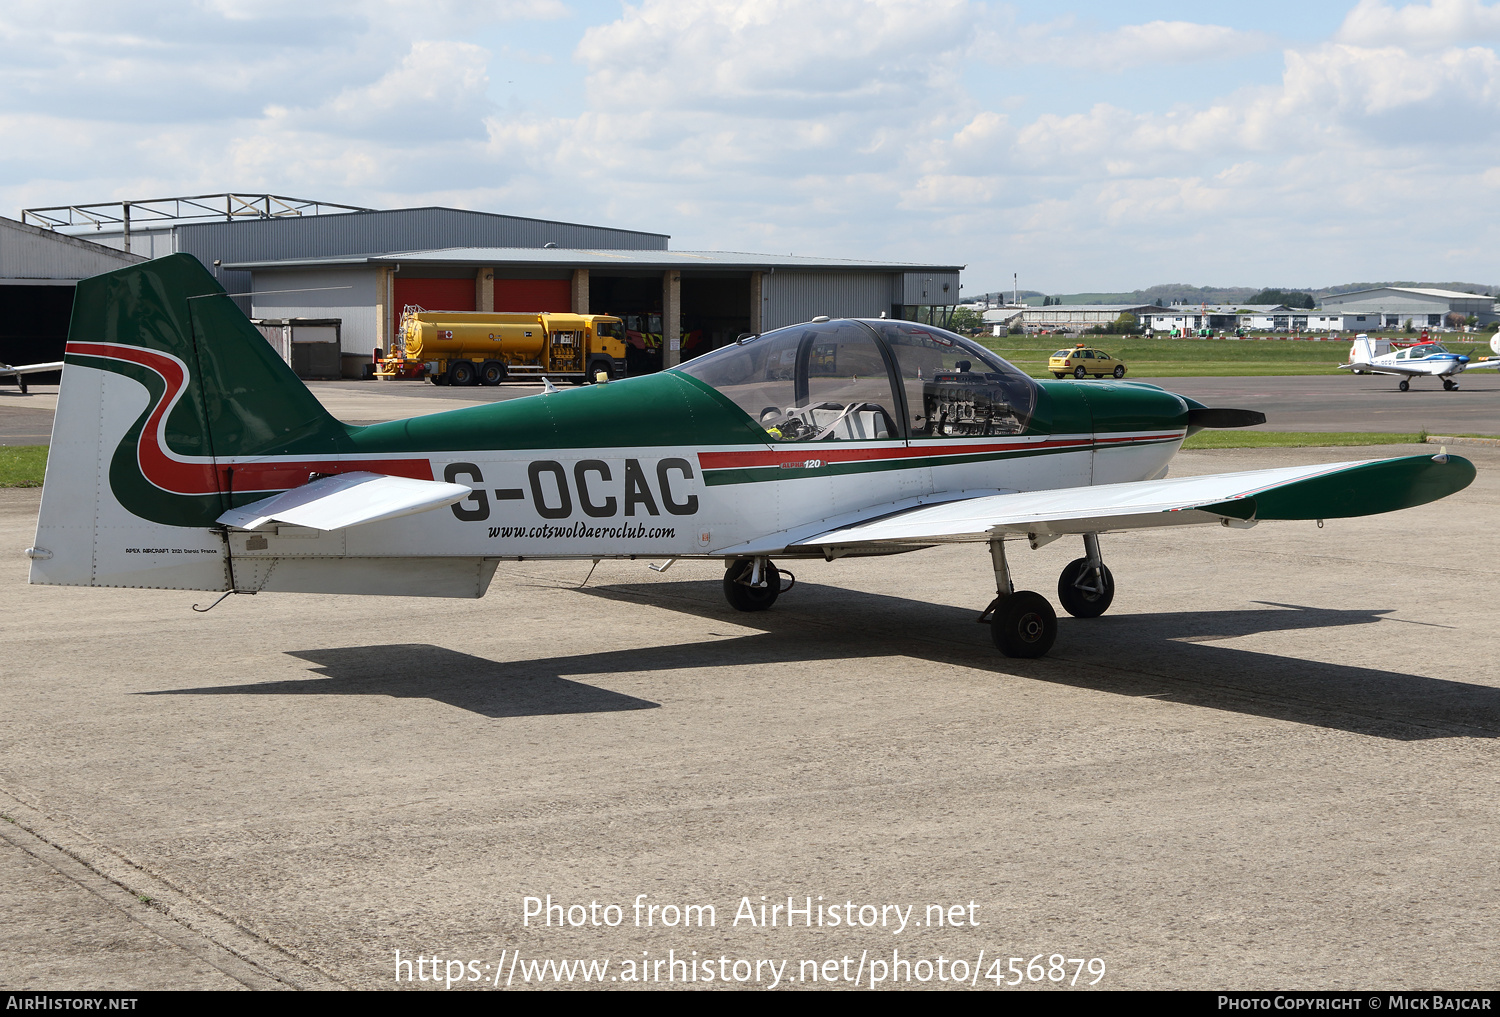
[346, 499]
[1328, 491]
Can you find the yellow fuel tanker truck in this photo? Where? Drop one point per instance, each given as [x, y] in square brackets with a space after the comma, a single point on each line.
[487, 347]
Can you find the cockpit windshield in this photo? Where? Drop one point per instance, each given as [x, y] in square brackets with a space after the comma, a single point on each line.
[830, 381]
[815, 382]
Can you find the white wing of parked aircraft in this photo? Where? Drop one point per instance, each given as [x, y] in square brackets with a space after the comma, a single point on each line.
[20, 373]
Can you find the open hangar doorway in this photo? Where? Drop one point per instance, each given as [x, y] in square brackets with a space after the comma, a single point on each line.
[34, 327]
[635, 298]
[715, 310]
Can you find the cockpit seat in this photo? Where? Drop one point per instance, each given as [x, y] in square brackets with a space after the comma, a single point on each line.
[867, 422]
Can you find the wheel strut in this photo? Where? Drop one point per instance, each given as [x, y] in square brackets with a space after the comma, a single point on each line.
[1004, 586]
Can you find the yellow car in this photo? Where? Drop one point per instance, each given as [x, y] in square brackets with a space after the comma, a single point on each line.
[1081, 361]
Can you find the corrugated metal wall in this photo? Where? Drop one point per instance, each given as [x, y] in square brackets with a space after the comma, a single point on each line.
[793, 296]
[28, 252]
[927, 288]
[355, 305]
[156, 243]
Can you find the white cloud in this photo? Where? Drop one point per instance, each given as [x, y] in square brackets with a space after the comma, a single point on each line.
[1154, 43]
[1420, 26]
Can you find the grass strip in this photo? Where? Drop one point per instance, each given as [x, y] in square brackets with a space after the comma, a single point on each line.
[1296, 439]
[22, 465]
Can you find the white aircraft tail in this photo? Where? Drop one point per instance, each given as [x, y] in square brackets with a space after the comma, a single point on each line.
[174, 412]
[1365, 349]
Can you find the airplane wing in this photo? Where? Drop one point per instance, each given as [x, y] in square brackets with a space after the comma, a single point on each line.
[7, 371]
[1491, 362]
[346, 499]
[1400, 372]
[1327, 491]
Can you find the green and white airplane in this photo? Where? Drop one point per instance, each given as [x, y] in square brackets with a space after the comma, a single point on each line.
[187, 455]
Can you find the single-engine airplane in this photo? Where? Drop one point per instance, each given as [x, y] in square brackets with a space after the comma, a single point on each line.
[187, 455]
[1422, 360]
[20, 373]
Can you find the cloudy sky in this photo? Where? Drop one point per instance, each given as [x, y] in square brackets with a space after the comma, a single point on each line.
[1085, 145]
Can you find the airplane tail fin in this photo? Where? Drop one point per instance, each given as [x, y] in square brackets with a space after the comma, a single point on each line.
[167, 399]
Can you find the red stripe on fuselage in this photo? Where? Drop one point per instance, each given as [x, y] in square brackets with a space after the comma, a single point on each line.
[797, 454]
[197, 475]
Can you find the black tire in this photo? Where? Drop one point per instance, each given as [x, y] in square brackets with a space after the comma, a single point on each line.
[1403, 385]
[607, 366]
[461, 372]
[1449, 384]
[751, 598]
[1083, 603]
[1057, 374]
[1120, 371]
[1024, 625]
[493, 372]
[1080, 373]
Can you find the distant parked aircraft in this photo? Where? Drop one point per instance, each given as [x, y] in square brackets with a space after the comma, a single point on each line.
[1429, 359]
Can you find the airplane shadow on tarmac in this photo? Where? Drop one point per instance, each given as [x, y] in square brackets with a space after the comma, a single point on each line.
[1163, 656]
[421, 671]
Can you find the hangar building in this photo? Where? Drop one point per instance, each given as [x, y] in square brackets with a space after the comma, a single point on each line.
[1425, 307]
[295, 258]
[38, 271]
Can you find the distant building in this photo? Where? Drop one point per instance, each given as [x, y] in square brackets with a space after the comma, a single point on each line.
[1425, 307]
[1078, 317]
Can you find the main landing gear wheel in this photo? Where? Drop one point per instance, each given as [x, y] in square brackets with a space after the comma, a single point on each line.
[1024, 625]
[1080, 373]
[1403, 384]
[743, 596]
[1082, 593]
[1449, 384]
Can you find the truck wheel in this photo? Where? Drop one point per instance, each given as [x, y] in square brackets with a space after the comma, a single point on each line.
[461, 372]
[598, 366]
[492, 372]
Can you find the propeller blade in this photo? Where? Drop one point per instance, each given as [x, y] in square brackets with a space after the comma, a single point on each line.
[1200, 417]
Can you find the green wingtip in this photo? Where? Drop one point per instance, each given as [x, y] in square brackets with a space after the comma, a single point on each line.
[1369, 489]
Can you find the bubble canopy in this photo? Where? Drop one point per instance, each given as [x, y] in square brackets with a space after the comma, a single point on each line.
[868, 380]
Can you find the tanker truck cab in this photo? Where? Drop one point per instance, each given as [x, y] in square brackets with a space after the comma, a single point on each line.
[606, 346]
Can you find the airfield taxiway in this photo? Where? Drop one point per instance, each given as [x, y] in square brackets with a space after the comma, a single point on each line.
[1274, 763]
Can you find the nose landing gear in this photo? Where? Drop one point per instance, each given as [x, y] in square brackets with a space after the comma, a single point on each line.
[1086, 588]
[1449, 384]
